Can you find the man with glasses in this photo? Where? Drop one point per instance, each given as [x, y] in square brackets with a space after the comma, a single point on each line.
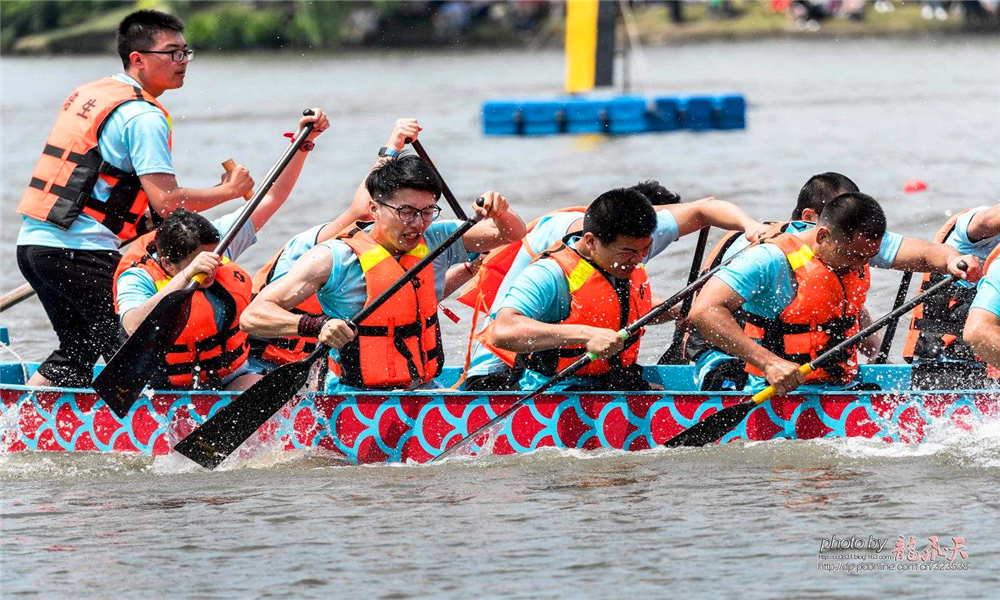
[106, 161]
[399, 345]
[269, 353]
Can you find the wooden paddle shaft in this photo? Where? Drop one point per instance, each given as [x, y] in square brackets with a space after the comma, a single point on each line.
[230, 165]
[16, 296]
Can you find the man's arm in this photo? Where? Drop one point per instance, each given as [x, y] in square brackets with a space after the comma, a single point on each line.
[269, 315]
[982, 332]
[693, 216]
[926, 257]
[499, 226]
[984, 224]
[459, 275]
[873, 343]
[283, 185]
[712, 314]
[166, 195]
[360, 208]
[205, 262]
[517, 333]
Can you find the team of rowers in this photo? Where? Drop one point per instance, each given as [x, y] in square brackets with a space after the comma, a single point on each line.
[549, 292]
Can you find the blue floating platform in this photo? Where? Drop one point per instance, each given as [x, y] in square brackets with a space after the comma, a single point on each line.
[616, 115]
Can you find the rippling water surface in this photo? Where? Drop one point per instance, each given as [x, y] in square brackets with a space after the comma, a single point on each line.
[735, 520]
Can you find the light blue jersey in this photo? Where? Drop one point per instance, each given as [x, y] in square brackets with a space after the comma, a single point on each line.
[345, 292]
[549, 231]
[988, 292]
[135, 285]
[135, 138]
[959, 239]
[883, 260]
[293, 251]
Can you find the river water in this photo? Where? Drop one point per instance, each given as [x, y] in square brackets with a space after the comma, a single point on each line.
[739, 520]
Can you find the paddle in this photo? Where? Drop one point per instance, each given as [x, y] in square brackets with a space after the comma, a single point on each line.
[130, 369]
[714, 427]
[445, 190]
[24, 291]
[16, 296]
[675, 353]
[223, 433]
[589, 357]
[890, 330]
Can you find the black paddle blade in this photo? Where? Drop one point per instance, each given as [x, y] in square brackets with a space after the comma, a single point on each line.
[130, 369]
[226, 431]
[713, 428]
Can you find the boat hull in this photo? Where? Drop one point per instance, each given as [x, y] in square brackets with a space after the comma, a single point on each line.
[368, 428]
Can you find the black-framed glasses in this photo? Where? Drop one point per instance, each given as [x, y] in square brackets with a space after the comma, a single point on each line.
[175, 55]
[407, 214]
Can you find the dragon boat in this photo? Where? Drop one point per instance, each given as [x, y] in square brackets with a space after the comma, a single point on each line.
[416, 426]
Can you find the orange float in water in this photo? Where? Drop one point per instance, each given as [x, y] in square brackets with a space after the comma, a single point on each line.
[915, 185]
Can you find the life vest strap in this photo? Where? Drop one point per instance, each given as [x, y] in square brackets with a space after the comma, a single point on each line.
[223, 360]
[401, 331]
[208, 343]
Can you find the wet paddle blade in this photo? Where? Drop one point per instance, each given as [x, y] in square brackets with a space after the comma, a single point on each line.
[226, 431]
[130, 369]
[713, 428]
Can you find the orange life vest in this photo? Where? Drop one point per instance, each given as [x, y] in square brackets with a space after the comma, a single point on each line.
[936, 325]
[203, 354]
[399, 345]
[282, 351]
[825, 311]
[594, 302]
[63, 181]
[481, 291]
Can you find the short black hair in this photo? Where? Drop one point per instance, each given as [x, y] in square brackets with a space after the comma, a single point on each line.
[181, 234]
[621, 211]
[657, 194]
[819, 190]
[855, 213]
[137, 31]
[405, 172]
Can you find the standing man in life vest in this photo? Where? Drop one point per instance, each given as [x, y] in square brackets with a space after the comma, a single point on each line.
[105, 162]
[489, 371]
[934, 344]
[800, 293]
[399, 346]
[982, 327]
[576, 296]
[717, 370]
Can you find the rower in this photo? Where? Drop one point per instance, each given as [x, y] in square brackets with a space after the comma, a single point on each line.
[575, 297]
[801, 293]
[267, 354]
[399, 346]
[210, 352]
[934, 344]
[716, 370]
[982, 327]
[486, 369]
[106, 161]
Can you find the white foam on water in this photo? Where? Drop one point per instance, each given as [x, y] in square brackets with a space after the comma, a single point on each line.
[975, 444]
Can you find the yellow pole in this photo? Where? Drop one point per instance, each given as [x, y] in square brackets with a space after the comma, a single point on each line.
[581, 45]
